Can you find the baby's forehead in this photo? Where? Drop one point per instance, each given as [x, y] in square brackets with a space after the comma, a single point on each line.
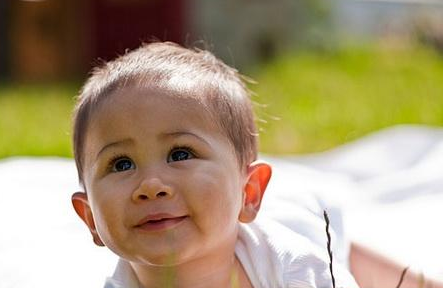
[150, 104]
[189, 101]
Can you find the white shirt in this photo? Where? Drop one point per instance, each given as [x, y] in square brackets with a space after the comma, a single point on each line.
[275, 256]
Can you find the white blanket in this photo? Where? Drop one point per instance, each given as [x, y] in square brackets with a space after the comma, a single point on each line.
[389, 187]
[394, 200]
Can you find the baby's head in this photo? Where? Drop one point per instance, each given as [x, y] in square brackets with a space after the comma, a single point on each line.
[165, 146]
[193, 74]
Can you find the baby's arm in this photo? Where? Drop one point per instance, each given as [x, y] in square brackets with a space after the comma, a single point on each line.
[372, 270]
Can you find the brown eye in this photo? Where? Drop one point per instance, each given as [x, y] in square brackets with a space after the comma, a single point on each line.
[180, 154]
[123, 164]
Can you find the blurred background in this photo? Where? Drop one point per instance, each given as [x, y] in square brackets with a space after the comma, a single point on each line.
[327, 72]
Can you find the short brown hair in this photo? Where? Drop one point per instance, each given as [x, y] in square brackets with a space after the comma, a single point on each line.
[221, 89]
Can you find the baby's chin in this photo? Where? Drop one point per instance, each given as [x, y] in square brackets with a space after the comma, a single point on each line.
[168, 260]
[157, 258]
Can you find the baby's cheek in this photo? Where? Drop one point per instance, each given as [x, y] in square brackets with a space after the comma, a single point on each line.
[215, 208]
[108, 220]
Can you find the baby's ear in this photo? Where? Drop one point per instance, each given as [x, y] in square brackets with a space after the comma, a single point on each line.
[81, 206]
[259, 173]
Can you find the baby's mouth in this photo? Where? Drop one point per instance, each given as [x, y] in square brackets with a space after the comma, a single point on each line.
[159, 222]
[162, 220]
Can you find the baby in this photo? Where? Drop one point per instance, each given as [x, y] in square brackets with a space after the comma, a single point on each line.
[166, 150]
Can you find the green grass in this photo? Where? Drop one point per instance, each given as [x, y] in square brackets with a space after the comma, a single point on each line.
[35, 120]
[322, 100]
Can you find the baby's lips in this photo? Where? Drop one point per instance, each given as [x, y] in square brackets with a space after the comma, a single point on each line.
[158, 217]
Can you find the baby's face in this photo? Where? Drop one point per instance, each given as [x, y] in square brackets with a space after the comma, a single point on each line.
[163, 181]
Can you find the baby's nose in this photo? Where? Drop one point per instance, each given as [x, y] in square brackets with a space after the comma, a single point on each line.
[150, 189]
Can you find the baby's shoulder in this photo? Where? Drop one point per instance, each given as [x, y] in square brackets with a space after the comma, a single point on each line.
[275, 256]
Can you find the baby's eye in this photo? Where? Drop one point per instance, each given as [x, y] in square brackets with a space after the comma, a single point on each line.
[180, 154]
[122, 164]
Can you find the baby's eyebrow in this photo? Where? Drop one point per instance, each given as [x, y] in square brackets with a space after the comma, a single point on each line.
[122, 142]
[184, 133]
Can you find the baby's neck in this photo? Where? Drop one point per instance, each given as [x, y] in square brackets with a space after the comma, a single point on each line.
[217, 272]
